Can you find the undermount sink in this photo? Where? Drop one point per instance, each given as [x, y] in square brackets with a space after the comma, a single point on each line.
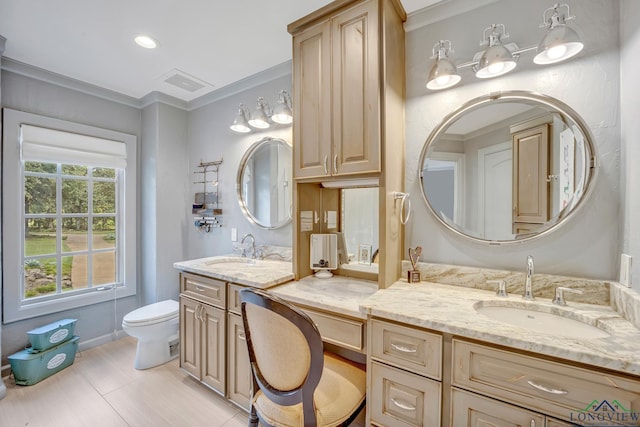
[231, 260]
[540, 321]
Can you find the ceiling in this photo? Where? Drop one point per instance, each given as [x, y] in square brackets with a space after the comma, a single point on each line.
[211, 42]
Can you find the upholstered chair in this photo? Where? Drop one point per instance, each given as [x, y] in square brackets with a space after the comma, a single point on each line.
[295, 383]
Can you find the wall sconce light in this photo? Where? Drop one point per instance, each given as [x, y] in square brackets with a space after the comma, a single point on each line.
[496, 59]
[444, 73]
[559, 43]
[240, 122]
[262, 117]
[282, 113]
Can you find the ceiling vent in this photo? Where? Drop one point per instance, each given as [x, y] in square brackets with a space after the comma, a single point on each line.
[185, 81]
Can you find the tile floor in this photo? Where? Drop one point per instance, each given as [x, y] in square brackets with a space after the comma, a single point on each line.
[102, 388]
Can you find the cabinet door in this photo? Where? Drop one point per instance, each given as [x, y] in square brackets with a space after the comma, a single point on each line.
[472, 410]
[312, 102]
[190, 336]
[239, 372]
[212, 335]
[530, 173]
[403, 399]
[355, 75]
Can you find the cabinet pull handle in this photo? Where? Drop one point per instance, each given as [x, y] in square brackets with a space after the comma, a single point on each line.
[241, 337]
[404, 349]
[533, 423]
[200, 288]
[547, 389]
[326, 169]
[196, 313]
[403, 404]
[335, 163]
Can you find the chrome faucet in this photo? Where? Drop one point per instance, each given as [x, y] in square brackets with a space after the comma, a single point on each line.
[528, 293]
[253, 245]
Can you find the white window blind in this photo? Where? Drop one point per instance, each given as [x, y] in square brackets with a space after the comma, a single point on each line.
[40, 144]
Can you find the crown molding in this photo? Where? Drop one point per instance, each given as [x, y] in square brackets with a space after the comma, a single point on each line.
[441, 10]
[41, 74]
[162, 98]
[265, 76]
[3, 43]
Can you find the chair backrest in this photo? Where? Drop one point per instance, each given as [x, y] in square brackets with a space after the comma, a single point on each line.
[285, 350]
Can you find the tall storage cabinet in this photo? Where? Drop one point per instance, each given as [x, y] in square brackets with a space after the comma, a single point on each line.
[348, 93]
[336, 95]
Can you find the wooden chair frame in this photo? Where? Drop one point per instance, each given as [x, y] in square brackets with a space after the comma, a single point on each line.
[304, 393]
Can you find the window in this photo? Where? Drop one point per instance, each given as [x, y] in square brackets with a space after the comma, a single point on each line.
[68, 213]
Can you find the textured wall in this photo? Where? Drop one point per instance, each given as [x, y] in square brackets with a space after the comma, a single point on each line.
[587, 245]
[211, 139]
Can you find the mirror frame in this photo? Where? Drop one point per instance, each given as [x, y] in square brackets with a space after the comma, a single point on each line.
[243, 207]
[475, 103]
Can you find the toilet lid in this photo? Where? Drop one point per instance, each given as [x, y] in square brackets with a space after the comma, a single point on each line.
[156, 312]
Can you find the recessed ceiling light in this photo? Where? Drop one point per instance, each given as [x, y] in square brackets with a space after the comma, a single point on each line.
[146, 42]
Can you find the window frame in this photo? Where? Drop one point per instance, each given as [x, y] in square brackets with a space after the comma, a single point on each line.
[14, 306]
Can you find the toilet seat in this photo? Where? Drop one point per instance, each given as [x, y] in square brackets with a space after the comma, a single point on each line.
[151, 314]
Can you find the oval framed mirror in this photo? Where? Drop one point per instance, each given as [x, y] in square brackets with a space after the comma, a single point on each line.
[264, 183]
[507, 167]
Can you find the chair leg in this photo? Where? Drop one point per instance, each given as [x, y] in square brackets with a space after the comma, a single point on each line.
[253, 417]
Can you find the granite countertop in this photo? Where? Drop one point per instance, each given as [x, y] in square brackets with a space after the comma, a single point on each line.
[337, 294]
[450, 309]
[256, 273]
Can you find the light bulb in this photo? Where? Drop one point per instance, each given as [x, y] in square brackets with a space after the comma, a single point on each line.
[557, 51]
[443, 80]
[496, 68]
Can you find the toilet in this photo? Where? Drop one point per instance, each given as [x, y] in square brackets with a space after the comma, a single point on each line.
[156, 328]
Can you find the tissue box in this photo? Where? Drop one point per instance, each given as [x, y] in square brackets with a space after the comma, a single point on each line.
[48, 336]
[29, 368]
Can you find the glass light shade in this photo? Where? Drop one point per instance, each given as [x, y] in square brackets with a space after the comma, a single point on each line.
[240, 122]
[495, 61]
[443, 74]
[560, 43]
[282, 114]
[259, 120]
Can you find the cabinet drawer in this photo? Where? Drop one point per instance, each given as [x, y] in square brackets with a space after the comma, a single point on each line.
[410, 348]
[552, 388]
[399, 398]
[233, 302]
[468, 409]
[341, 331]
[204, 289]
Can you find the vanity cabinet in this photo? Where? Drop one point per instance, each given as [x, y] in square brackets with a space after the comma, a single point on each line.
[202, 339]
[238, 365]
[548, 387]
[336, 84]
[472, 410]
[404, 375]
[203, 329]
